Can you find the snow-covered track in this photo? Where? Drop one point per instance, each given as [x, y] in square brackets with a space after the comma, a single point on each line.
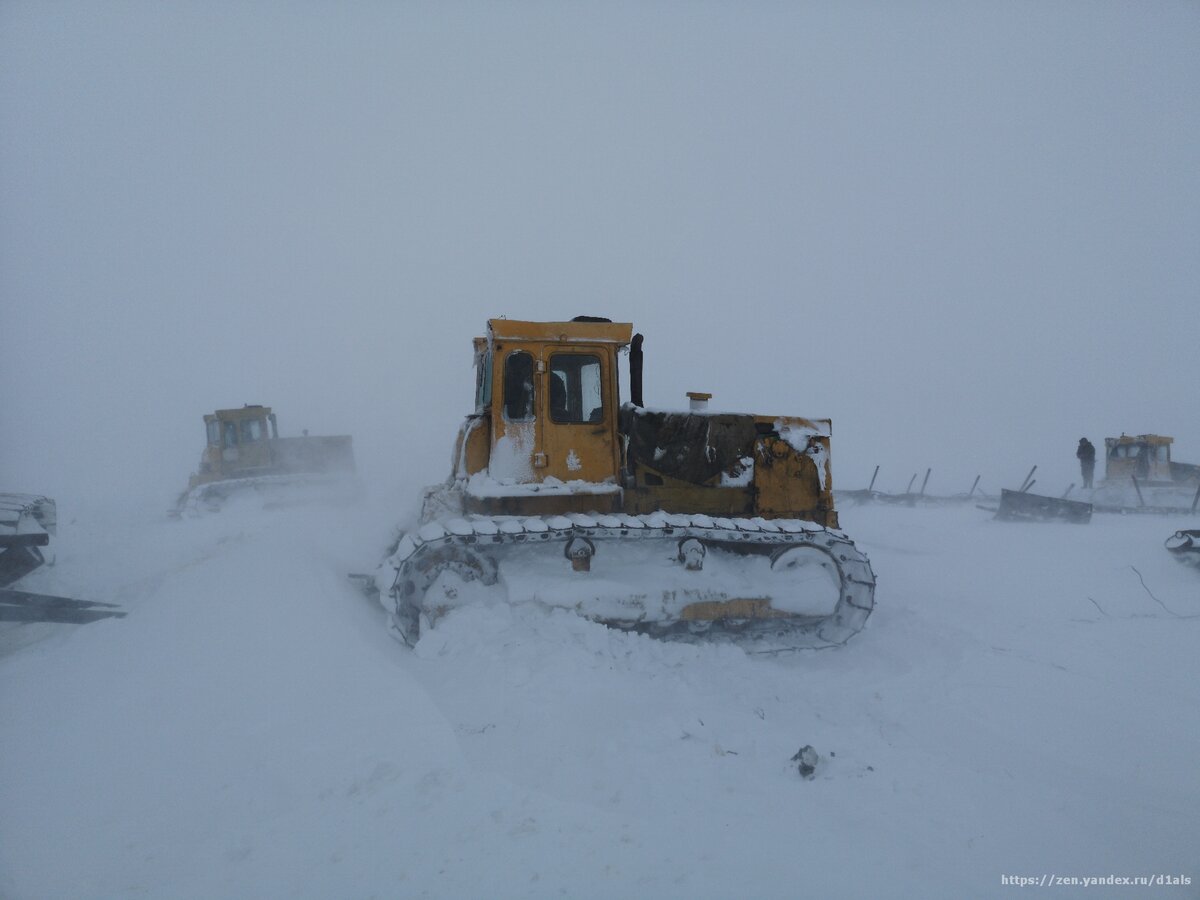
[775, 584]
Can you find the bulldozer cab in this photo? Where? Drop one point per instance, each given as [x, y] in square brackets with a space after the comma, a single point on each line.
[238, 440]
[550, 391]
[1146, 457]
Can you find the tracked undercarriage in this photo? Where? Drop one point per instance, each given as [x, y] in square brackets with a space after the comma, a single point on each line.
[776, 584]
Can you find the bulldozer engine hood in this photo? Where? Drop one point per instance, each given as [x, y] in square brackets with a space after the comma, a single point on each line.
[687, 446]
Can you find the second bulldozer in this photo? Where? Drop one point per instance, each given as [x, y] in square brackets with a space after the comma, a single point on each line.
[244, 453]
[670, 523]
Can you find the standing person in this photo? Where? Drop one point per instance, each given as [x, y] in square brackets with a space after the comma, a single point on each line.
[1087, 460]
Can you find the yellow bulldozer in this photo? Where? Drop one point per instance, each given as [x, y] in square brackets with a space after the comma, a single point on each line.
[1139, 474]
[1146, 457]
[244, 453]
[666, 522]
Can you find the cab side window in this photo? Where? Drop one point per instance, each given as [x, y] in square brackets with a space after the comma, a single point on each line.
[576, 389]
[252, 430]
[518, 387]
[230, 433]
[483, 380]
[214, 433]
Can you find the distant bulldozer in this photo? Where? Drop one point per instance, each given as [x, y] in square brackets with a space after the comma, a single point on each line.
[1139, 473]
[244, 453]
[1146, 457]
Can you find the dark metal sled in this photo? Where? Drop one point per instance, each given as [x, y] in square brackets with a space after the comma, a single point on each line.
[24, 606]
[1022, 506]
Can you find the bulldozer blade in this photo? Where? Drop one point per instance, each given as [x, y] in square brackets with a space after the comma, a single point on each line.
[25, 606]
[1023, 506]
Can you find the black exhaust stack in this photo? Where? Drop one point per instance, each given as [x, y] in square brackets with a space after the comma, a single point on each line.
[635, 371]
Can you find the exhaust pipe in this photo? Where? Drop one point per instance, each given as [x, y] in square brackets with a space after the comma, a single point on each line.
[635, 370]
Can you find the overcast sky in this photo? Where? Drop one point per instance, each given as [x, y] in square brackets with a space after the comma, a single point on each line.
[968, 233]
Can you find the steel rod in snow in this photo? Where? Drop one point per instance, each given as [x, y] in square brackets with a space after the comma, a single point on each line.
[908, 490]
[1137, 488]
[1196, 499]
[926, 481]
[871, 486]
[1028, 482]
[1070, 488]
[974, 484]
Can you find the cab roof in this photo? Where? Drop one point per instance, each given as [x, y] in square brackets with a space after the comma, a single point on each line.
[561, 332]
[249, 411]
[1140, 439]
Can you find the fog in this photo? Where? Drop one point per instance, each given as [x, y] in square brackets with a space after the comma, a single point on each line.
[965, 232]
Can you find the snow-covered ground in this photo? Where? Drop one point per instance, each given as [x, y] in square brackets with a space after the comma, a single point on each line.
[1019, 704]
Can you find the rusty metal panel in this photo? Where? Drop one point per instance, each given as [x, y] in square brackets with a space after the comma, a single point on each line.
[690, 498]
[478, 445]
[786, 482]
[1019, 505]
[741, 608]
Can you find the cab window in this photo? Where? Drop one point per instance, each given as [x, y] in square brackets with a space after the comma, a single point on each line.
[252, 430]
[230, 433]
[214, 433]
[576, 388]
[518, 387]
[483, 380]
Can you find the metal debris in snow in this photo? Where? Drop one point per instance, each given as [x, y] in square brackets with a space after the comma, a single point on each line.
[806, 758]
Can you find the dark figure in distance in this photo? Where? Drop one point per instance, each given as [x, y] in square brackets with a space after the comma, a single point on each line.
[1087, 460]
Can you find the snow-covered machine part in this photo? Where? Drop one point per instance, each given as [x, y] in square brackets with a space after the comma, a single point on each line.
[1024, 506]
[1185, 546]
[244, 455]
[26, 523]
[772, 583]
[1141, 476]
[672, 523]
[1146, 457]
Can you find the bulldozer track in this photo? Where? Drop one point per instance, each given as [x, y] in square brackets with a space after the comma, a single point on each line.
[462, 545]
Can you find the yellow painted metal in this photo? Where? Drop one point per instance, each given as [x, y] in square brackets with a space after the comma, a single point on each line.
[580, 451]
[242, 444]
[675, 495]
[472, 446]
[530, 451]
[788, 482]
[1145, 456]
[738, 608]
[543, 445]
[560, 332]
